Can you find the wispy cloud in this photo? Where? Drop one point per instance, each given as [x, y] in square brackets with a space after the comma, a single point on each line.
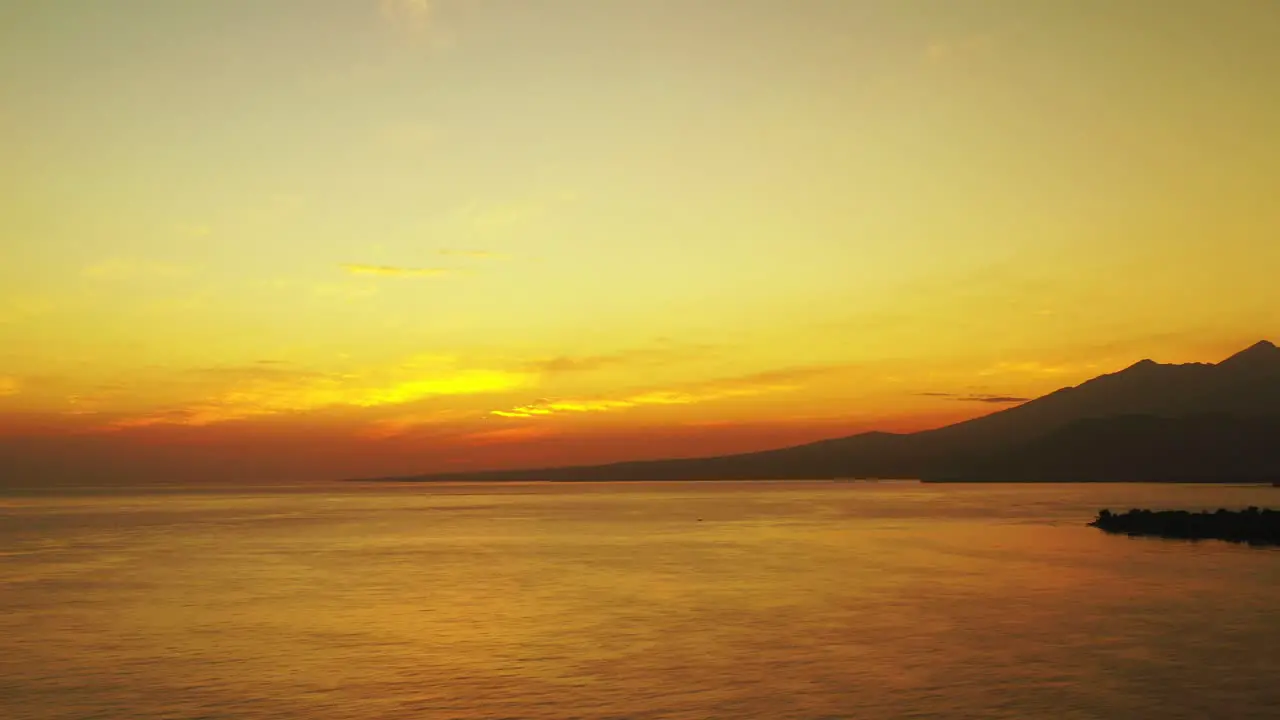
[996, 399]
[977, 397]
[748, 385]
[624, 358]
[9, 386]
[256, 391]
[393, 271]
[95, 400]
[119, 269]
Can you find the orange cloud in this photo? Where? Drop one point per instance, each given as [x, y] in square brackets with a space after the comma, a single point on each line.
[392, 271]
[9, 386]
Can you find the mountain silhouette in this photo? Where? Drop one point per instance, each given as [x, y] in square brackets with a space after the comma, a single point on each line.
[1149, 422]
[1138, 448]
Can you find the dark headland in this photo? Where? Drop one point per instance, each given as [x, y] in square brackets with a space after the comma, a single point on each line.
[1252, 526]
[1151, 422]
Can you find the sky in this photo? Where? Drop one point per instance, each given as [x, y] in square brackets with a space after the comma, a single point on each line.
[313, 239]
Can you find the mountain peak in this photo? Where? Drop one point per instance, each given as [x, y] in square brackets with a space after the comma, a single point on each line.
[1262, 353]
[1142, 366]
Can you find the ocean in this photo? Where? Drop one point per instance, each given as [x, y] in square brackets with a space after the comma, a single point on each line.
[676, 601]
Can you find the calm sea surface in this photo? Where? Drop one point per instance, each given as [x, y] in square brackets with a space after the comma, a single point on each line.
[699, 600]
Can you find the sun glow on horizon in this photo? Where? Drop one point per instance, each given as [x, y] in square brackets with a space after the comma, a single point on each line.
[451, 234]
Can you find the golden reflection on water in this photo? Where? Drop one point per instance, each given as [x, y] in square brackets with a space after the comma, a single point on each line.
[741, 600]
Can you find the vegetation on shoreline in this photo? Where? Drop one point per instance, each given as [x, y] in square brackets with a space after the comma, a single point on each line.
[1251, 525]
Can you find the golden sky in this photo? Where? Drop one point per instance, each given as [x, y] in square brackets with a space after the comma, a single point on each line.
[317, 238]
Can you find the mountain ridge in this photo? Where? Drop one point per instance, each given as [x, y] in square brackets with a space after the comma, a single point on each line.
[1033, 440]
